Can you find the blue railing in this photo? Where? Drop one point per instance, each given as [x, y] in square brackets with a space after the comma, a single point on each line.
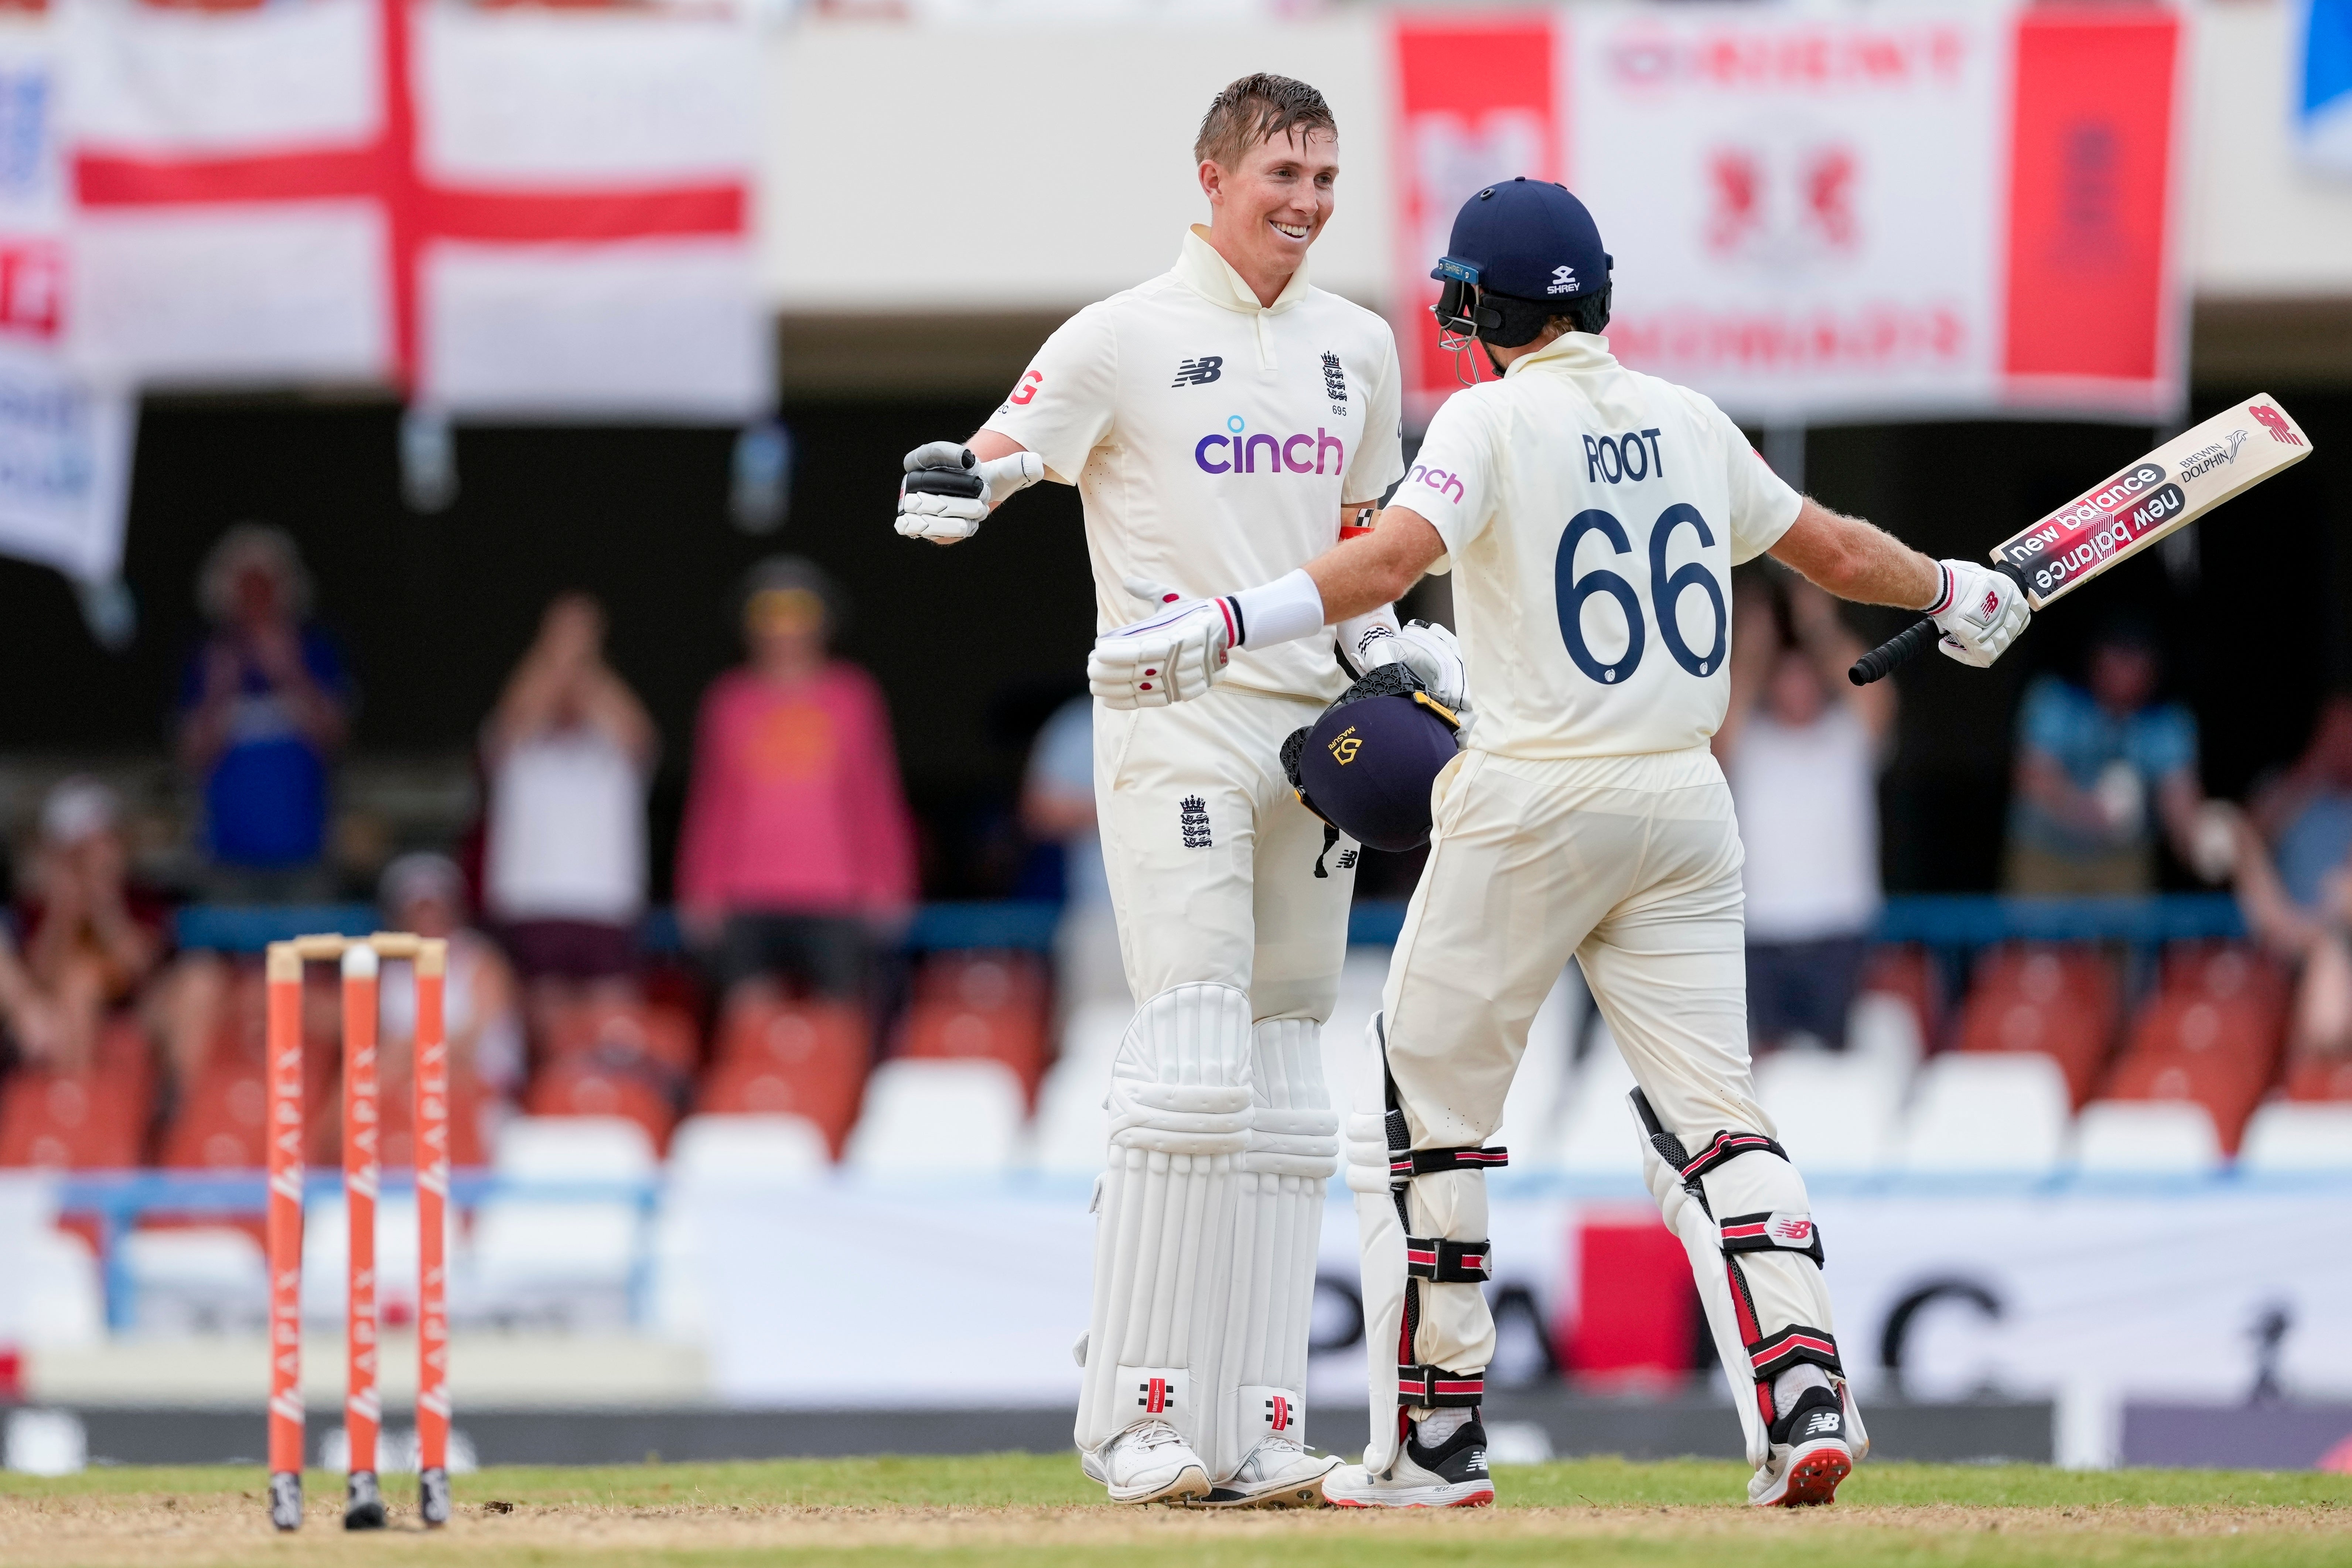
[121, 1199]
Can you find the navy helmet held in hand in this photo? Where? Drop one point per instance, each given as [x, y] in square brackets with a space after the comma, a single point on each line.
[1366, 765]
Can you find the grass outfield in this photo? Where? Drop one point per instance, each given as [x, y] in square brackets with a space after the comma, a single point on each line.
[1027, 1512]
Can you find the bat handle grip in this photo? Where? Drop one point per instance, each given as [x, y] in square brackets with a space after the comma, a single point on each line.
[1892, 653]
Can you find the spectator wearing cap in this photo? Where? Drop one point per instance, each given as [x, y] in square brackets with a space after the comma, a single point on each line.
[426, 894]
[264, 706]
[1802, 748]
[91, 938]
[797, 851]
[568, 752]
[2092, 758]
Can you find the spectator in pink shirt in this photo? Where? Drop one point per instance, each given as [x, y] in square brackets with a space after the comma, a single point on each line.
[797, 852]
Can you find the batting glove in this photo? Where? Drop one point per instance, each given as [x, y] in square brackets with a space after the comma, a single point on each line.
[948, 491]
[1981, 611]
[1173, 655]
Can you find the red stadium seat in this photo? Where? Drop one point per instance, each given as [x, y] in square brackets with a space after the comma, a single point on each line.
[988, 1006]
[806, 1060]
[2320, 1079]
[2227, 1084]
[1907, 971]
[92, 1120]
[616, 1030]
[2227, 971]
[222, 1123]
[641, 1090]
[2060, 1002]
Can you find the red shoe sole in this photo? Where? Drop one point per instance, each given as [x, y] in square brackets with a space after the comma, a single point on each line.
[1475, 1500]
[1815, 1479]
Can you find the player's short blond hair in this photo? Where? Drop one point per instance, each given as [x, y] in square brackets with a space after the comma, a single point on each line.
[1259, 108]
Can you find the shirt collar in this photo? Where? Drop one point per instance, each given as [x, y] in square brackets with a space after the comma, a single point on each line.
[1199, 269]
[1570, 351]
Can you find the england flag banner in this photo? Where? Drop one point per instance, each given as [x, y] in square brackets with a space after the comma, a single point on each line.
[1821, 215]
[65, 444]
[501, 212]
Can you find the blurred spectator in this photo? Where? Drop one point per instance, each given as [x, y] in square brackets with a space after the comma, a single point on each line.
[1801, 747]
[427, 894]
[2306, 813]
[796, 852]
[89, 939]
[568, 751]
[2316, 936]
[2089, 761]
[1058, 806]
[264, 705]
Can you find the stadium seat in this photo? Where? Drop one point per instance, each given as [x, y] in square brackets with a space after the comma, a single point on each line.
[327, 1250]
[2226, 971]
[196, 1278]
[1092, 1033]
[2053, 1001]
[1989, 1113]
[710, 1152]
[1884, 1027]
[573, 1260]
[642, 1090]
[221, 1122]
[2287, 1135]
[2114, 1137]
[2227, 1086]
[2320, 1079]
[1072, 1130]
[1907, 972]
[979, 1007]
[778, 1058]
[938, 1118]
[617, 1032]
[72, 1120]
[62, 1292]
[574, 1149]
[1833, 1112]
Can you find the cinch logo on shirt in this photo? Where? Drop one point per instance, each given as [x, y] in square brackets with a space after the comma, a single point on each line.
[1438, 479]
[1234, 453]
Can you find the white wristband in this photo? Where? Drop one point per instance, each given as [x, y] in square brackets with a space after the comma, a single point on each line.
[1281, 611]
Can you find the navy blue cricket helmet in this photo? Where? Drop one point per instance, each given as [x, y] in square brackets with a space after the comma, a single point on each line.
[1366, 766]
[1521, 251]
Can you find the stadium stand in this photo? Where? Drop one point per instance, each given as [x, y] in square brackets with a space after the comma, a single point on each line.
[939, 1117]
[791, 1058]
[2058, 1001]
[2124, 1137]
[981, 1006]
[1988, 1113]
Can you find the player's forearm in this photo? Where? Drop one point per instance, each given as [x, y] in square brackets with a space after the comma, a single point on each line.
[1376, 568]
[1856, 560]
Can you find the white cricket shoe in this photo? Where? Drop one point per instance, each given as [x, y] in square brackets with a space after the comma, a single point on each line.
[1810, 1453]
[1279, 1473]
[1451, 1474]
[1149, 1462]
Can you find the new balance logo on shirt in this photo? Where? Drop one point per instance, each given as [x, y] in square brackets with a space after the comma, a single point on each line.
[1200, 372]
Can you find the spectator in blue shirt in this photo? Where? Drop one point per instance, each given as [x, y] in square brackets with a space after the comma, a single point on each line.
[2306, 812]
[2098, 767]
[264, 706]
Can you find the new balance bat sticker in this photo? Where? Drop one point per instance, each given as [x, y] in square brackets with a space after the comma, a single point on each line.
[2128, 512]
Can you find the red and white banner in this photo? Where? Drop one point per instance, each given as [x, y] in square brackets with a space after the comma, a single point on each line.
[65, 444]
[505, 212]
[1831, 216]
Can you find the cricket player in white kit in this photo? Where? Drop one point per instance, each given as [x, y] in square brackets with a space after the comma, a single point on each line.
[1592, 516]
[1223, 421]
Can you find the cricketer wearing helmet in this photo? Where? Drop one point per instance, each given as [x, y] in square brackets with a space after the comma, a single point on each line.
[1592, 515]
[1222, 422]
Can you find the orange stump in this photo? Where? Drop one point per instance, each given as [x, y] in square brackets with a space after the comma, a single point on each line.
[432, 1072]
[360, 958]
[284, 1048]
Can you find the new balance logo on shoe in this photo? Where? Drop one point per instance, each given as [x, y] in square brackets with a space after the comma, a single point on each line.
[1824, 1421]
[1200, 372]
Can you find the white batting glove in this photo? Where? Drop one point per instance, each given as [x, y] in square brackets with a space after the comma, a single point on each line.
[1981, 611]
[948, 490]
[1431, 652]
[1173, 655]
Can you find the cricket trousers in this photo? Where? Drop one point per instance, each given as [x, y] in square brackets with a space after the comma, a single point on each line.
[1633, 864]
[1232, 925]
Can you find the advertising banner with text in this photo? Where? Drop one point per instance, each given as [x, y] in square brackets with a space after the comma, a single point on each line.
[1829, 217]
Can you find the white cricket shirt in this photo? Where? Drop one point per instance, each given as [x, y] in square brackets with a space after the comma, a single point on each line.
[1215, 439]
[1593, 515]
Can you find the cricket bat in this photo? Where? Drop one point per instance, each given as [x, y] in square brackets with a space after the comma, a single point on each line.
[2126, 512]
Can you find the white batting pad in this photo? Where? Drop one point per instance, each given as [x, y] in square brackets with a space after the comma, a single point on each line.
[1179, 1118]
[1293, 1150]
